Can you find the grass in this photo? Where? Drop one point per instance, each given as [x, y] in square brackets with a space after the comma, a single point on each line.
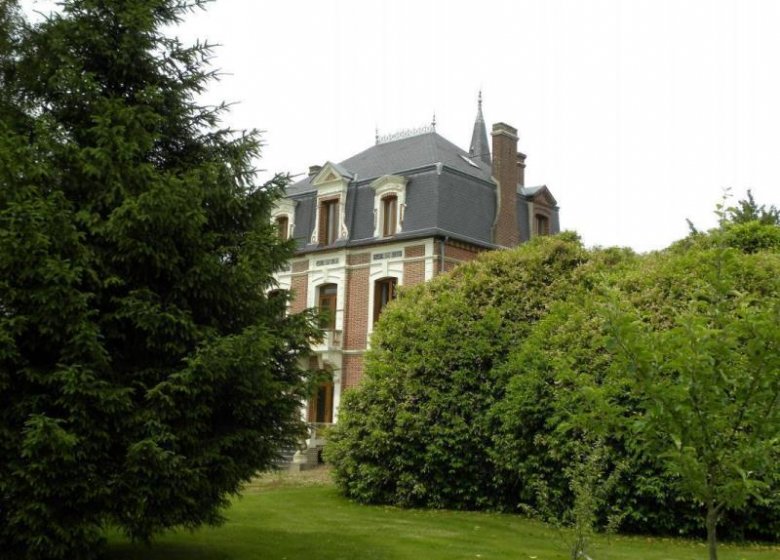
[288, 518]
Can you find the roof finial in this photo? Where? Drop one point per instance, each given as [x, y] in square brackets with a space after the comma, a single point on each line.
[433, 122]
[376, 133]
[479, 147]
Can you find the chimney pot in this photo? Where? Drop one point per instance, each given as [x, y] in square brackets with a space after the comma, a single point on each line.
[521, 169]
[505, 129]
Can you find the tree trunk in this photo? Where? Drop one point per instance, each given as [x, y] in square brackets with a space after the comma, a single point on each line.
[712, 523]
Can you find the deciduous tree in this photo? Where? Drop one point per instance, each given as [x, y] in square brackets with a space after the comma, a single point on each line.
[710, 380]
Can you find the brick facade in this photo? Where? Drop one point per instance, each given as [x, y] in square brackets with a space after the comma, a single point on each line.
[356, 313]
[351, 371]
[456, 253]
[299, 286]
[456, 207]
[414, 271]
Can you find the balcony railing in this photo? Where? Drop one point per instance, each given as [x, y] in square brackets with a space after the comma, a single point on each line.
[332, 340]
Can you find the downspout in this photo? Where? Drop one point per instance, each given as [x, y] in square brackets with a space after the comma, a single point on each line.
[354, 205]
[441, 253]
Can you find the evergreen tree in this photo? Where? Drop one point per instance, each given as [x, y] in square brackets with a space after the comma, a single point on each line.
[144, 374]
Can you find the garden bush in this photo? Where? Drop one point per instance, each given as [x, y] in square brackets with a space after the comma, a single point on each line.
[482, 385]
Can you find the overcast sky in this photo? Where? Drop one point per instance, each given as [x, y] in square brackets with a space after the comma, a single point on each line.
[635, 114]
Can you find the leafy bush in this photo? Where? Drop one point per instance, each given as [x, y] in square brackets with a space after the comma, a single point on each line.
[481, 385]
[417, 431]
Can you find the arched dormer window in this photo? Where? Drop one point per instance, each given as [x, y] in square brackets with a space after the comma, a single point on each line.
[283, 227]
[389, 205]
[283, 218]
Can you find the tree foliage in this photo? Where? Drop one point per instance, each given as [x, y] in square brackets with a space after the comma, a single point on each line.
[144, 375]
[417, 431]
[710, 379]
[748, 210]
[526, 396]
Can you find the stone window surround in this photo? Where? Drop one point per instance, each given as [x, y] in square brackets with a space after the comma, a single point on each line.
[391, 284]
[327, 195]
[321, 230]
[389, 185]
[285, 208]
[536, 209]
[541, 214]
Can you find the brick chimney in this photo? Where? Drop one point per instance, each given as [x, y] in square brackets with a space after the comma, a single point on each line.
[506, 165]
[314, 169]
[521, 169]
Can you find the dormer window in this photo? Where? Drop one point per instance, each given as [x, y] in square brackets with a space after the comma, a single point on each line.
[389, 214]
[283, 218]
[542, 224]
[283, 227]
[389, 205]
[331, 182]
[329, 221]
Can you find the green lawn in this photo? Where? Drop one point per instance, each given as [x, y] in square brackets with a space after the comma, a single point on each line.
[305, 518]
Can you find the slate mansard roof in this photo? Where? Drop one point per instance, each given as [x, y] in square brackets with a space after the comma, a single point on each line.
[407, 154]
[448, 193]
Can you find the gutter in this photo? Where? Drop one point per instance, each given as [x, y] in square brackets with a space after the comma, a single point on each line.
[418, 234]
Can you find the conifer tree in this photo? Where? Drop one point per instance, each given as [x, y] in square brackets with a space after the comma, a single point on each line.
[144, 374]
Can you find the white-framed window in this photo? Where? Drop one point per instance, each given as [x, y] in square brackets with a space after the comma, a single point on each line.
[283, 218]
[327, 298]
[283, 227]
[384, 292]
[328, 225]
[389, 209]
[389, 205]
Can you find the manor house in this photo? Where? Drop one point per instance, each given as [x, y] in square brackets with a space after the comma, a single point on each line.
[397, 214]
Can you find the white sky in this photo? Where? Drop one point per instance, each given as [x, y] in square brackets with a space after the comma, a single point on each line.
[636, 114]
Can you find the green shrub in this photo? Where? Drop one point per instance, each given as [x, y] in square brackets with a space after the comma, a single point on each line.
[482, 384]
[417, 431]
[564, 387]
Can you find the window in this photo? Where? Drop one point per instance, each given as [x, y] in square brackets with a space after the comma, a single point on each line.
[327, 305]
[329, 221]
[283, 227]
[389, 215]
[542, 225]
[283, 217]
[384, 292]
[389, 205]
[321, 404]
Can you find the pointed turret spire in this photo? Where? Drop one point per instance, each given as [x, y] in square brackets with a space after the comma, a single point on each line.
[479, 142]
